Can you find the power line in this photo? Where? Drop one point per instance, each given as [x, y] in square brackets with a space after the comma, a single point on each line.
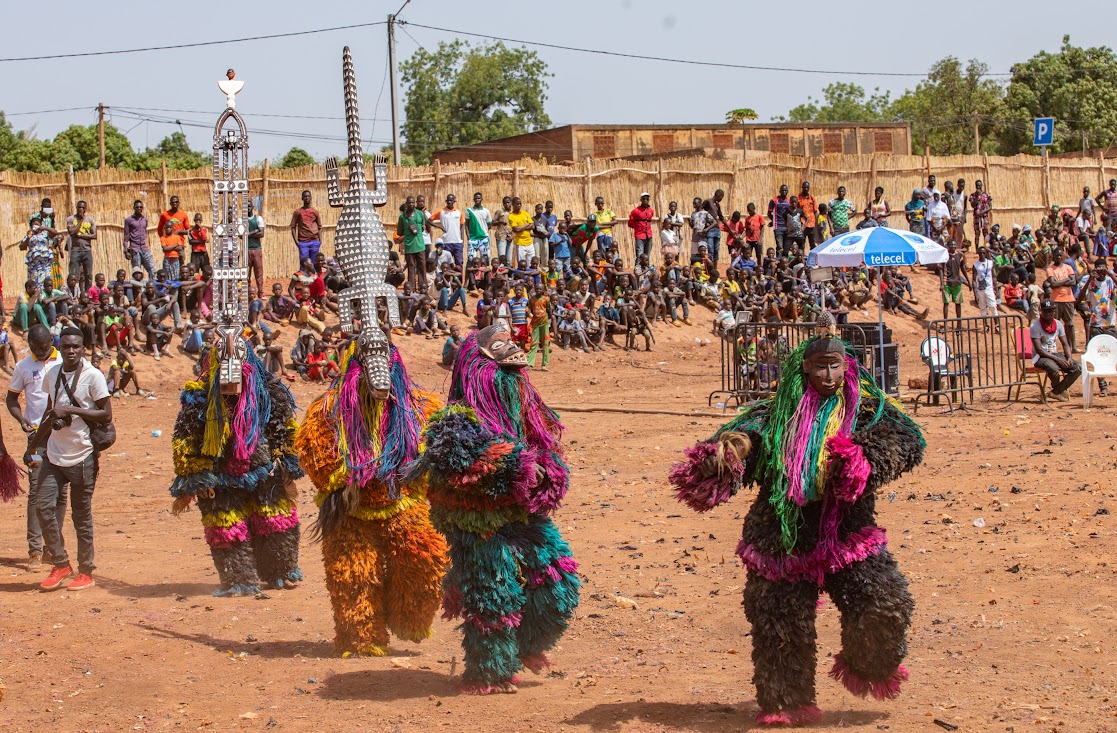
[194, 45]
[691, 62]
[49, 111]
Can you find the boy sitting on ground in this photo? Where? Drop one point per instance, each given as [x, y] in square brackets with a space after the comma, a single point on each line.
[122, 372]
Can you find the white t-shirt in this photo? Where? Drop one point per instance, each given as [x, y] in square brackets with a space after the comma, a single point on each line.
[984, 271]
[1049, 342]
[669, 235]
[426, 234]
[71, 445]
[451, 221]
[28, 378]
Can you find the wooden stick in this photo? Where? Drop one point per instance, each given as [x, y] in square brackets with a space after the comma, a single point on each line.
[634, 411]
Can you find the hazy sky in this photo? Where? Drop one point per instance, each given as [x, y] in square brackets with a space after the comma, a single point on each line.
[302, 75]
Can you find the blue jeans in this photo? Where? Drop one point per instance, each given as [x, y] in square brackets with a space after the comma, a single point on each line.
[446, 299]
[172, 267]
[144, 258]
[713, 244]
[604, 242]
[309, 250]
[455, 250]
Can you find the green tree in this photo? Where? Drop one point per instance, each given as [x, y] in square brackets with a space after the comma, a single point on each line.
[943, 106]
[1075, 86]
[176, 151]
[740, 115]
[459, 95]
[295, 158]
[79, 143]
[842, 102]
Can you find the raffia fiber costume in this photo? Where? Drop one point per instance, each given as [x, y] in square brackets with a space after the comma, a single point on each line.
[235, 455]
[384, 560]
[496, 471]
[817, 463]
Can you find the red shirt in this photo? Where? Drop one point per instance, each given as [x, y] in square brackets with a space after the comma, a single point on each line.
[810, 210]
[733, 230]
[754, 225]
[640, 219]
[202, 236]
[307, 224]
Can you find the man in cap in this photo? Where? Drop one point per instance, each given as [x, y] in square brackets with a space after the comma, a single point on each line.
[1051, 351]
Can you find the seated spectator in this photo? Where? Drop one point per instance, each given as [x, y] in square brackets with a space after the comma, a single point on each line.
[486, 310]
[572, 332]
[450, 291]
[195, 333]
[1051, 351]
[272, 356]
[114, 327]
[1014, 294]
[452, 346]
[54, 300]
[280, 308]
[320, 365]
[122, 372]
[29, 308]
[426, 321]
[301, 349]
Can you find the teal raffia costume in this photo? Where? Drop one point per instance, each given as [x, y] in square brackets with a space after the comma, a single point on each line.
[495, 469]
[817, 460]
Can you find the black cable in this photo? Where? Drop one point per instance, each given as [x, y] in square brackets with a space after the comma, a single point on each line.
[194, 45]
[641, 57]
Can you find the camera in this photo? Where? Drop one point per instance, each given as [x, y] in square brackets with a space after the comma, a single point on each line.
[61, 422]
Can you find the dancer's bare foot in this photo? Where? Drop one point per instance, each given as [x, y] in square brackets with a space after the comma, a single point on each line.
[483, 688]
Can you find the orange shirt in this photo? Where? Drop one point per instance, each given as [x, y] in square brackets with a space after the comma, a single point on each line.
[810, 210]
[1063, 294]
[169, 243]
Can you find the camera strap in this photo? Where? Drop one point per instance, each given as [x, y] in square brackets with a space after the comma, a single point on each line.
[70, 388]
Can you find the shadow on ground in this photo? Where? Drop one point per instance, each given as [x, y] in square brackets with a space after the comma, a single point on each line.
[705, 717]
[265, 649]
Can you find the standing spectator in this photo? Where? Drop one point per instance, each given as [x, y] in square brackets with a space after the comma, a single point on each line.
[78, 396]
[48, 217]
[478, 223]
[1052, 352]
[1107, 199]
[952, 275]
[136, 249]
[754, 232]
[927, 193]
[453, 226]
[960, 209]
[421, 205]
[777, 219]
[521, 224]
[255, 247]
[841, 209]
[879, 208]
[640, 222]
[605, 220]
[518, 306]
[1086, 205]
[198, 237]
[810, 214]
[700, 223]
[452, 346]
[82, 230]
[794, 224]
[306, 228]
[671, 231]
[1061, 279]
[938, 214]
[552, 227]
[982, 204]
[712, 206]
[541, 233]
[501, 231]
[915, 211]
[410, 227]
[27, 380]
[175, 216]
[1097, 296]
[40, 254]
[173, 246]
[985, 283]
[734, 234]
[540, 327]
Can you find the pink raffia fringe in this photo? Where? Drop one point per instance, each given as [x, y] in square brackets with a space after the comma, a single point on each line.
[799, 716]
[536, 662]
[222, 537]
[855, 469]
[886, 689]
[483, 688]
[815, 565]
[703, 493]
[270, 525]
[11, 479]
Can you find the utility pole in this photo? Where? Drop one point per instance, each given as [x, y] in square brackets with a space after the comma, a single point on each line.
[101, 134]
[395, 87]
[976, 136]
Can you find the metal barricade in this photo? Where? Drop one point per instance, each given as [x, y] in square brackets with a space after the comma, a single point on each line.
[968, 355]
[752, 357]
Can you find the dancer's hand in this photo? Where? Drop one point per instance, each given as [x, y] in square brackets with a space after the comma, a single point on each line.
[730, 444]
[540, 474]
[181, 504]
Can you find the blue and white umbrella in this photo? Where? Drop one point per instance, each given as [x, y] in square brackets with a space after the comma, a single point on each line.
[877, 247]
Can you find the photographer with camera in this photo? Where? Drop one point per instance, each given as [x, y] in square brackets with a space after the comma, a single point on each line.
[76, 427]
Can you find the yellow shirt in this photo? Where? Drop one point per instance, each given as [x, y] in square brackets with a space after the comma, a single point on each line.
[520, 239]
[605, 219]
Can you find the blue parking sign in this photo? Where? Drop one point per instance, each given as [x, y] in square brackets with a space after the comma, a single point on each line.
[1044, 131]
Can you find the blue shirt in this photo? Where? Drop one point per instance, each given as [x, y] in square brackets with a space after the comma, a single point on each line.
[562, 246]
[518, 308]
[552, 226]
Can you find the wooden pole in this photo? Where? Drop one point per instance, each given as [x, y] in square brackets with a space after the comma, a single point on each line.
[437, 167]
[869, 184]
[857, 132]
[976, 136]
[587, 188]
[1046, 181]
[101, 134]
[264, 188]
[515, 179]
[635, 411]
[985, 166]
[73, 200]
[163, 185]
[926, 160]
[1101, 171]
[660, 207]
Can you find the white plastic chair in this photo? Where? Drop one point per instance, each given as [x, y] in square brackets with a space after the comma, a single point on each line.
[1100, 360]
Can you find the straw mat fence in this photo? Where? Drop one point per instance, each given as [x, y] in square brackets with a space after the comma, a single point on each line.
[1022, 186]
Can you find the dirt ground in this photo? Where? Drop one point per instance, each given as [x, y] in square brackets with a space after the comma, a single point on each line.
[1006, 534]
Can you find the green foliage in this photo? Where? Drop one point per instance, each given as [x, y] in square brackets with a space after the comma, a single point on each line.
[460, 95]
[742, 114]
[1075, 86]
[842, 102]
[77, 145]
[942, 107]
[295, 158]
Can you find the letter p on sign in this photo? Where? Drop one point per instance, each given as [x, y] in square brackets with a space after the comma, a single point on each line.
[1043, 131]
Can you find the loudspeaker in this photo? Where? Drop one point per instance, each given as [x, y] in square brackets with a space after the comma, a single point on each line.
[851, 333]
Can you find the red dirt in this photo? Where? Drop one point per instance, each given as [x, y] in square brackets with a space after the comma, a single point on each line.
[1013, 627]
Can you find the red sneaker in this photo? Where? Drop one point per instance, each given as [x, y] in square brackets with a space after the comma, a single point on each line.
[82, 582]
[56, 577]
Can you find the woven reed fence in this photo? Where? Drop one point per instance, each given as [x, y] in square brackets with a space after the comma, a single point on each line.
[1022, 186]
